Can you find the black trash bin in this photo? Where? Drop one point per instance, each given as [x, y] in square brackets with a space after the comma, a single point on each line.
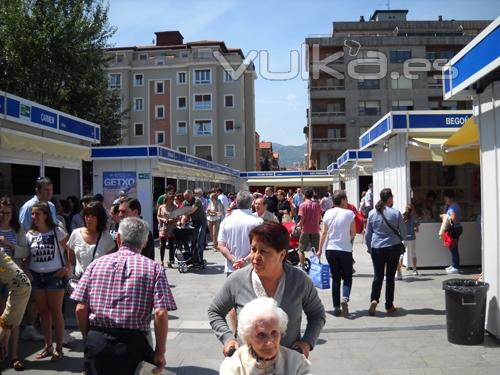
[465, 310]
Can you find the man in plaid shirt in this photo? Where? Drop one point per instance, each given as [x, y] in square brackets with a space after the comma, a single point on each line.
[116, 296]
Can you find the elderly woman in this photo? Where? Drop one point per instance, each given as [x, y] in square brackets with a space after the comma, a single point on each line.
[270, 276]
[261, 326]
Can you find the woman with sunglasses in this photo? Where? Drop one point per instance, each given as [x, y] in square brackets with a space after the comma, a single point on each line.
[48, 266]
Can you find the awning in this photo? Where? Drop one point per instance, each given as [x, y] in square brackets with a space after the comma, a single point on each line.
[429, 149]
[296, 181]
[15, 140]
[463, 146]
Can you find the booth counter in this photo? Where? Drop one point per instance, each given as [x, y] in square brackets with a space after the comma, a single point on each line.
[407, 157]
[357, 168]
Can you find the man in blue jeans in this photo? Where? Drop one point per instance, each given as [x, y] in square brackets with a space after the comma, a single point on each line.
[198, 219]
[337, 232]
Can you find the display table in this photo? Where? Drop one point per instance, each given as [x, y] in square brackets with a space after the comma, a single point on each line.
[431, 252]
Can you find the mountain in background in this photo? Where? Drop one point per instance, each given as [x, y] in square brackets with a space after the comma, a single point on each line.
[289, 154]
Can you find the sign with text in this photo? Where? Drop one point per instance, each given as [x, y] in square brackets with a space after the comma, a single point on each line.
[115, 182]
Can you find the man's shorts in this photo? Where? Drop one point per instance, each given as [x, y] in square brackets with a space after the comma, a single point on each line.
[307, 241]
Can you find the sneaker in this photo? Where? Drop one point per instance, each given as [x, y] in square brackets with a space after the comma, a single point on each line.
[344, 307]
[399, 276]
[448, 268]
[373, 308]
[337, 311]
[415, 272]
[392, 310]
[452, 270]
[31, 334]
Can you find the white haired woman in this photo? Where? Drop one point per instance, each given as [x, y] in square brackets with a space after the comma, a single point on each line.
[261, 325]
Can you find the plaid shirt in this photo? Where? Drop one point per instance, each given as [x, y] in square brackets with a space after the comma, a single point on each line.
[122, 289]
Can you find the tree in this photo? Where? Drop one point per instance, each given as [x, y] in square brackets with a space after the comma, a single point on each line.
[53, 52]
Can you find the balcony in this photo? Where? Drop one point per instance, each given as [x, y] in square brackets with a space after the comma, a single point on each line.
[324, 117]
[327, 92]
[331, 143]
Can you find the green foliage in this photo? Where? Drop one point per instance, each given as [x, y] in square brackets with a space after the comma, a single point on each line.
[53, 52]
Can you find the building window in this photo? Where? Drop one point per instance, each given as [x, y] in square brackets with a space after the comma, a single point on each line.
[181, 128]
[182, 149]
[202, 127]
[203, 152]
[160, 60]
[138, 104]
[439, 55]
[138, 79]
[228, 101]
[120, 58]
[402, 105]
[202, 77]
[160, 137]
[143, 56]
[399, 56]
[204, 53]
[229, 126]
[368, 84]
[159, 87]
[203, 101]
[115, 81]
[229, 152]
[181, 102]
[401, 83]
[181, 78]
[138, 129]
[227, 76]
[369, 108]
[159, 112]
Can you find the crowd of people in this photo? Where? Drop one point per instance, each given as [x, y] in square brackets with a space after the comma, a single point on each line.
[104, 260]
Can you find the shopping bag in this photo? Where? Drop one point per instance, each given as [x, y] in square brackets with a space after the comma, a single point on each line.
[319, 273]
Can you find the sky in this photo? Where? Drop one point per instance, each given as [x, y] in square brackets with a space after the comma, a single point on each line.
[277, 27]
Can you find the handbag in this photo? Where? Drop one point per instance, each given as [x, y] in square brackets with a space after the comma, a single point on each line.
[448, 240]
[296, 231]
[401, 246]
[319, 273]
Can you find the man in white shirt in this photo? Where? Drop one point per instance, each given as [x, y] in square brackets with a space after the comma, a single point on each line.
[224, 200]
[338, 232]
[233, 241]
[262, 212]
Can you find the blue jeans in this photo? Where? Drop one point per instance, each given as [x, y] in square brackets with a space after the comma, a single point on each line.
[384, 259]
[455, 257]
[202, 234]
[341, 268]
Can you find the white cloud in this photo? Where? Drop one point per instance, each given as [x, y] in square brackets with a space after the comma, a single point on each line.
[291, 97]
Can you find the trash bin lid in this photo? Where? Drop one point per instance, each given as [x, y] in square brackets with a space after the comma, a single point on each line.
[465, 286]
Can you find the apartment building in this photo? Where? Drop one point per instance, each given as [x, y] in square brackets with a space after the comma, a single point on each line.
[180, 96]
[348, 89]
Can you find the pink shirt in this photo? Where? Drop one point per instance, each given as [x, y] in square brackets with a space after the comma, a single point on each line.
[310, 212]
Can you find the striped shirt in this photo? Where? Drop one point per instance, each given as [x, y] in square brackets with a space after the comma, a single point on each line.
[122, 289]
[10, 236]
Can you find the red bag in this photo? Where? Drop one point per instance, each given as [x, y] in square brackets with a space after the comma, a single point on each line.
[358, 219]
[448, 240]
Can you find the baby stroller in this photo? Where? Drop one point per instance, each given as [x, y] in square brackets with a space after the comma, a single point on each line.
[186, 249]
[293, 251]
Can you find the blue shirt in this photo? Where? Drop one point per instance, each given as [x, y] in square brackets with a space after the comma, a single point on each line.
[410, 228]
[378, 233]
[455, 208]
[25, 212]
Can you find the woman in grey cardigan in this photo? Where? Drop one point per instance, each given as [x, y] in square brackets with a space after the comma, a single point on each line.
[385, 230]
[270, 276]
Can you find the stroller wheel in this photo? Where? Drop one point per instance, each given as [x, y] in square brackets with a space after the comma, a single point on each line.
[307, 265]
[183, 267]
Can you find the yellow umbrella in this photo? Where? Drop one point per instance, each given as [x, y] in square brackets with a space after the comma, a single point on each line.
[463, 146]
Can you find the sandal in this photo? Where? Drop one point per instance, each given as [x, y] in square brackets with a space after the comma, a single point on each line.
[57, 355]
[17, 365]
[46, 352]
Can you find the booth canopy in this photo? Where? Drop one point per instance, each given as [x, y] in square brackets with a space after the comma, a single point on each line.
[463, 146]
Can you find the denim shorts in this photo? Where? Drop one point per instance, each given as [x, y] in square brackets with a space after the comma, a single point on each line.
[48, 281]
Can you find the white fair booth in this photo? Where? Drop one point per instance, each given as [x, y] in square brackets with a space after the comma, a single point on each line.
[407, 157]
[133, 169]
[282, 179]
[36, 140]
[475, 71]
[334, 171]
[357, 168]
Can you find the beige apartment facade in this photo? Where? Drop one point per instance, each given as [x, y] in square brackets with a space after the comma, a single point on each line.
[180, 96]
[343, 108]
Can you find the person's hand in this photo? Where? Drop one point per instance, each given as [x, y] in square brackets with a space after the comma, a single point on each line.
[228, 347]
[4, 342]
[239, 263]
[159, 361]
[303, 346]
[318, 253]
[63, 271]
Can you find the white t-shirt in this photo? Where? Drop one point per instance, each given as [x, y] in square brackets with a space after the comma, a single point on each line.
[339, 222]
[46, 256]
[234, 231]
[84, 251]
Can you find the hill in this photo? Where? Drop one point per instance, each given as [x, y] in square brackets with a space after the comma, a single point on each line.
[289, 154]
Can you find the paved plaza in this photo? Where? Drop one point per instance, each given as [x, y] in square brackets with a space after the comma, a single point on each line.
[411, 342]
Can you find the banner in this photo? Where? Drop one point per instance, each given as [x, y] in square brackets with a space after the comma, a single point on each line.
[116, 182]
